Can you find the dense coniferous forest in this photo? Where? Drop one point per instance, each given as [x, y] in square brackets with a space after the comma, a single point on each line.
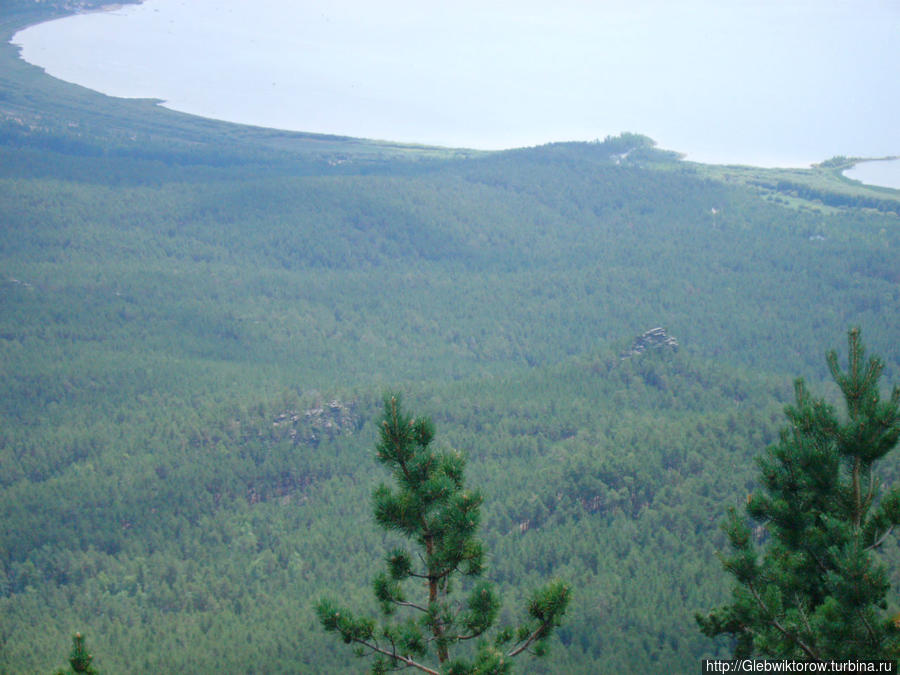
[198, 322]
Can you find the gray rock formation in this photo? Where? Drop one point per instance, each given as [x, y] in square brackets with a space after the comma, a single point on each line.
[655, 338]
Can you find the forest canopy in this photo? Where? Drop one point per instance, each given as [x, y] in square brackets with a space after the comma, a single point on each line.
[197, 321]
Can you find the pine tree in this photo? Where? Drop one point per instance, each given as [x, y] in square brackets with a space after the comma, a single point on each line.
[431, 507]
[816, 592]
[79, 658]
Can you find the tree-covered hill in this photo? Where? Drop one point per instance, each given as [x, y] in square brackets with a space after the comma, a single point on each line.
[196, 331]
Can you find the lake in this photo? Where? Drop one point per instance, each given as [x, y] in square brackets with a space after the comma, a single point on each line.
[760, 83]
[886, 173]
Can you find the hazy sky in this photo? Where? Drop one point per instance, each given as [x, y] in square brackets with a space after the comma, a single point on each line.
[768, 82]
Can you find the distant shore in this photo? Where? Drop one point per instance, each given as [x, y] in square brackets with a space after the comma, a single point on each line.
[109, 7]
[851, 171]
[386, 85]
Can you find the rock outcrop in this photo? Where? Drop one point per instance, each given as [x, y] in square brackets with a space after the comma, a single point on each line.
[321, 421]
[655, 338]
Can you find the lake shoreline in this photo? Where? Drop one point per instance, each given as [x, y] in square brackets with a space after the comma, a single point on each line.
[881, 172]
[160, 104]
[336, 85]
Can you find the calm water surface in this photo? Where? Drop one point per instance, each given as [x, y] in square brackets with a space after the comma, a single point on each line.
[886, 173]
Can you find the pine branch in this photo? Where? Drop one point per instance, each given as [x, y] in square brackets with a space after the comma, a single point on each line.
[404, 603]
[880, 540]
[868, 626]
[527, 643]
[804, 615]
[463, 638]
[394, 655]
[870, 493]
[773, 621]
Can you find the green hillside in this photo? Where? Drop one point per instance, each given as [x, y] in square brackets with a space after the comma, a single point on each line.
[198, 321]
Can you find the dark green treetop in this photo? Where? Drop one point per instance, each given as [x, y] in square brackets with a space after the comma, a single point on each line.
[79, 658]
[432, 508]
[816, 592]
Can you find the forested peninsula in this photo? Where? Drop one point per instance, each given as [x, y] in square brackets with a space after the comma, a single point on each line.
[199, 322]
